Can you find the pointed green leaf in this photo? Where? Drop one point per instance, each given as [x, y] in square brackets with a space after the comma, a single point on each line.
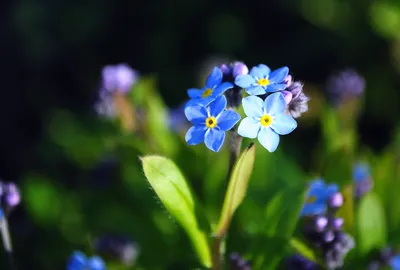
[172, 189]
[371, 224]
[237, 187]
[303, 249]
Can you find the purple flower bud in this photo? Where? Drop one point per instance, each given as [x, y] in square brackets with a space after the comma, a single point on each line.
[288, 80]
[12, 195]
[298, 104]
[225, 69]
[336, 200]
[238, 263]
[329, 236]
[337, 223]
[119, 77]
[288, 96]
[239, 68]
[321, 223]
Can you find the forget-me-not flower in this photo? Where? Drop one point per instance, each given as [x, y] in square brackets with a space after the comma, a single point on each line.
[266, 120]
[210, 123]
[261, 80]
[214, 88]
[317, 197]
[79, 261]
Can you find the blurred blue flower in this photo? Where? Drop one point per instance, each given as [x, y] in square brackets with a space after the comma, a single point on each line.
[214, 88]
[395, 262]
[117, 246]
[177, 119]
[317, 197]
[362, 179]
[79, 261]
[210, 123]
[119, 77]
[266, 120]
[261, 80]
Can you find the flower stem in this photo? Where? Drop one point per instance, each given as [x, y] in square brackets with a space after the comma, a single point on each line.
[234, 152]
[5, 233]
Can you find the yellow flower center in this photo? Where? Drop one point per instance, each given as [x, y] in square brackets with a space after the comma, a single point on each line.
[207, 93]
[266, 120]
[263, 82]
[311, 199]
[211, 122]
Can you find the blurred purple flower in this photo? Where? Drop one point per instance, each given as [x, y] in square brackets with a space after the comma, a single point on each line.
[298, 262]
[119, 77]
[105, 106]
[236, 262]
[362, 179]
[10, 196]
[344, 85]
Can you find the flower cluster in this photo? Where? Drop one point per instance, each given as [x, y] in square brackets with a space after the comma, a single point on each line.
[323, 228]
[79, 261]
[272, 103]
[116, 79]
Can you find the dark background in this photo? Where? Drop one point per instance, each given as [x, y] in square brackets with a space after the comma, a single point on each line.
[52, 53]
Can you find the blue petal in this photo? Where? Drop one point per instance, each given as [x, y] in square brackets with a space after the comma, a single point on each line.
[315, 187]
[395, 262]
[220, 89]
[227, 119]
[260, 71]
[253, 106]
[330, 190]
[95, 263]
[214, 139]
[278, 75]
[245, 80]
[194, 92]
[275, 104]
[268, 138]
[283, 124]
[217, 106]
[77, 261]
[360, 172]
[196, 114]
[214, 79]
[313, 209]
[249, 127]
[255, 90]
[195, 135]
[275, 87]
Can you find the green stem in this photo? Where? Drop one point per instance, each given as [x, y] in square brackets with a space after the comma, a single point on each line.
[234, 152]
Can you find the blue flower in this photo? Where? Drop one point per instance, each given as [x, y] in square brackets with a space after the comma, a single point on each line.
[79, 261]
[261, 80]
[210, 123]
[317, 197]
[213, 89]
[395, 262]
[266, 120]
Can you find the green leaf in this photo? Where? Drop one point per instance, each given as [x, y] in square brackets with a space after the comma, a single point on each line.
[371, 224]
[347, 210]
[303, 249]
[237, 187]
[172, 189]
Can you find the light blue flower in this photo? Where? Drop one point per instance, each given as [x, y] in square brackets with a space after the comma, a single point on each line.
[317, 197]
[362, 179]
[266, 120]
[261, 80]
[79, 261]
[210, 123]
[213, 89]
[395, 262]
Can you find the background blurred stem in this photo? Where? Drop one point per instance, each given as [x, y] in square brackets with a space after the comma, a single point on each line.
[234, 152]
